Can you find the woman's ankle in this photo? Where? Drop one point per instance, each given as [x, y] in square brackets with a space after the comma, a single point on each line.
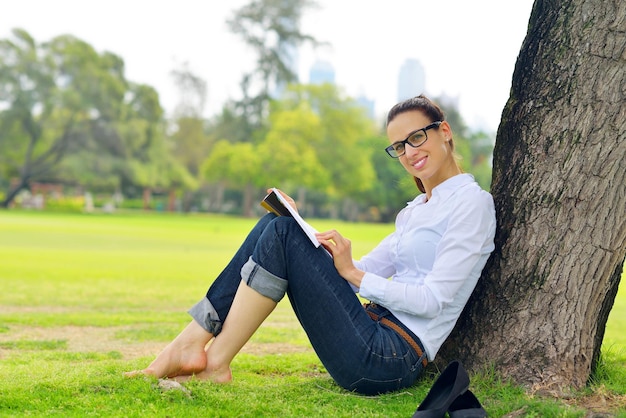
[218, 373]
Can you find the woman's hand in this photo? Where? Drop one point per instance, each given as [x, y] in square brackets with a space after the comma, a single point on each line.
[341, 250]
[287, 198]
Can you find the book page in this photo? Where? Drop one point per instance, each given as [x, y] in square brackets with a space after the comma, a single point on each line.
[308, 229]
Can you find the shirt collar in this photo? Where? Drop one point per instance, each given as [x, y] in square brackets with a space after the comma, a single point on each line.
[445, 189]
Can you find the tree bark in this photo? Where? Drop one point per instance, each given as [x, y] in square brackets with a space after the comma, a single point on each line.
[539, 311]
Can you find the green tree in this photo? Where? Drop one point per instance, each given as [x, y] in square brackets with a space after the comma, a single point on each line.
[313, 143]
[70, 115]
[191, 144]
[236, 165]
[270, 28]
[339, 140]
[288, 159]
[54, 95]
[480, 157]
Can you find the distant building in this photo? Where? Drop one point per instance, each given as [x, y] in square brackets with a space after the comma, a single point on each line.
[411, 79]
[322, 72]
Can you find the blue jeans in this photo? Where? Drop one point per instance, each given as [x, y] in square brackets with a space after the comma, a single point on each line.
[359, 353]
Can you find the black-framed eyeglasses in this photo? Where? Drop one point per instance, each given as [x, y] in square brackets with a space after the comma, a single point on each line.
[414, 139]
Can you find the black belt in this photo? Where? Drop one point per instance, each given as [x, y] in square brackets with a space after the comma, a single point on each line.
[405, 335]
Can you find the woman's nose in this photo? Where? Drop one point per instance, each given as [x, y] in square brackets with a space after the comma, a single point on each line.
[410, 151]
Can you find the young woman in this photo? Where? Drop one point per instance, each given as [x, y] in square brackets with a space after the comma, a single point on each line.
[418, 279]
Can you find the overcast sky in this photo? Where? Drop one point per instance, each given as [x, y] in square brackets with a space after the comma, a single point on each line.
[467, 48]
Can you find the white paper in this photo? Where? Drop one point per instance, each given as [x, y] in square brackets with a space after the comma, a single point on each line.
[308, 229]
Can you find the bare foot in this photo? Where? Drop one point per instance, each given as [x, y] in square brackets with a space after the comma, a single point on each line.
[173, 361]
[216, 376]
[183, 356]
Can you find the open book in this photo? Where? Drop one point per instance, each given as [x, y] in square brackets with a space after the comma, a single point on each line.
[276, 203]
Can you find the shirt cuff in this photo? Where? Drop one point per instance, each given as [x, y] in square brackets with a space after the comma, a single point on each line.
[373, 288]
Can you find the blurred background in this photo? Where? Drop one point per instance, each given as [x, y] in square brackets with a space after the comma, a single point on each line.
[195, 106]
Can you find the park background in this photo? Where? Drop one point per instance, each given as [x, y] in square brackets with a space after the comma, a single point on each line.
[127, 206]
[167, 100]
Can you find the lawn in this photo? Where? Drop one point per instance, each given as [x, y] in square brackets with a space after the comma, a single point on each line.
[88, 296]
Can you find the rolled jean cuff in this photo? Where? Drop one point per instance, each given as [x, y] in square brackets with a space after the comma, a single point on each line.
[205, 314]
[264, 282]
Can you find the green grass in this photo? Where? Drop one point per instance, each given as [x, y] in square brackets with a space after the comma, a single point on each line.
[80, 292]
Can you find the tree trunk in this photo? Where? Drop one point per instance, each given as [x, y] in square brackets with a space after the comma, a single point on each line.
[14, 189]
[171, 200]
[8, 198]
[248, 199]
[539, 312]
[217, 197]
[146, 198]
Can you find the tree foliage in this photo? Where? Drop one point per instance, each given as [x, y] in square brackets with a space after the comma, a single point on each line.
[301, 149]
[338, 142]
[72, 117]
[193, 92]
[69, 114]
[287, 155]
[271, 29]
[190, 142]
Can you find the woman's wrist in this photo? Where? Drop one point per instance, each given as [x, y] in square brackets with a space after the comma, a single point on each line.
[354, 276]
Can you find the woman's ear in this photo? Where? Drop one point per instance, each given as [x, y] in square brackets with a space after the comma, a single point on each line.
[446, 130]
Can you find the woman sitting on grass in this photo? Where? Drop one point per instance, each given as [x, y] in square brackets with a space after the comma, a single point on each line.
[418, 279]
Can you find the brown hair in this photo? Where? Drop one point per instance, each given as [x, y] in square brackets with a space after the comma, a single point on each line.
[422, 104]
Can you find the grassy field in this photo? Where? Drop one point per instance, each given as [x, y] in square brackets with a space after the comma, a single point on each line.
[87, 297]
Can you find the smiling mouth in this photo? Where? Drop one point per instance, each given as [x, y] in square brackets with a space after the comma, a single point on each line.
[419, 163]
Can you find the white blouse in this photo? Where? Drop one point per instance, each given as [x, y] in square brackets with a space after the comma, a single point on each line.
[434, 259]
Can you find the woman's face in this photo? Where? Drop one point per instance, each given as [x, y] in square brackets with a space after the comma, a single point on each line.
[433, 161]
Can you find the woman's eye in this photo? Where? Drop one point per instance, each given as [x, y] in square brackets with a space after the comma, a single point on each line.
[417, 138]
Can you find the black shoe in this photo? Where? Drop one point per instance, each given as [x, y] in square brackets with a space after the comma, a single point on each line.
[451, 383]
[466, 406]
